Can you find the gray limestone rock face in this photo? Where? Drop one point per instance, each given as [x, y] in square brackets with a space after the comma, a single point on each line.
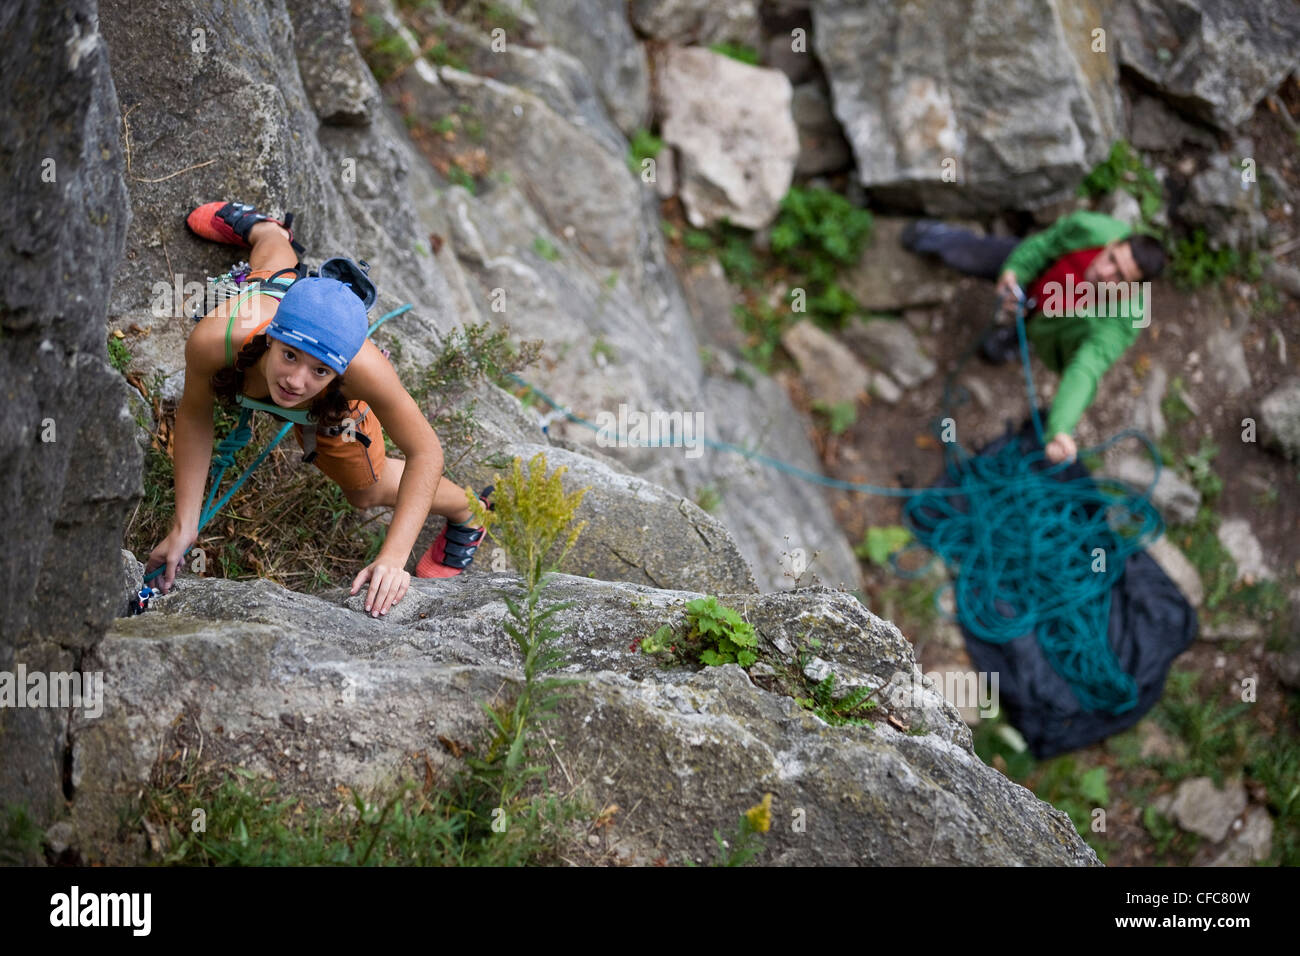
[888, 278]
[891, 346]
[822, 148]
[337, 82]
[597, 32]
[284, 675]
[733, 132]
[1202, 808]
[1239, 540]
[1224, 199]
[1213, 59]
[1251, 843]
[931, 96]
[1174, 497]
[701, 22]
[558, 182]
[831, 372]
[1180, 570]
[1153, 125]
[71, 466]
[1279, 419]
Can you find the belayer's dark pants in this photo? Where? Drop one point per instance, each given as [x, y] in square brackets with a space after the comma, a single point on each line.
[965, 251]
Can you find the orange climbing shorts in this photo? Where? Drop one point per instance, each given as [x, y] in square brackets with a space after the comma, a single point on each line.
[346, 460]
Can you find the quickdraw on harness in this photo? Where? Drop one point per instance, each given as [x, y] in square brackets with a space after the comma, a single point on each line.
[353, 275]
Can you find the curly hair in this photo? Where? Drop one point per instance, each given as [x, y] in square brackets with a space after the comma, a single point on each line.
[330, 407]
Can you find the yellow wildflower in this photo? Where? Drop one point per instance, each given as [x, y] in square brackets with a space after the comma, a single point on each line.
[760, 815]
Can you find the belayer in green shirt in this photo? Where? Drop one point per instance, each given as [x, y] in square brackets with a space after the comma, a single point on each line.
[1085, 280]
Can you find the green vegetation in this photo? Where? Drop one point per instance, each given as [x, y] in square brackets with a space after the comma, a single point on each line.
[450, 53]
[849, 710]
[475, 353]
[1268, 301]
[487, 15]
[708, 497]
[1223, 742]
[745, 843]
[881, 542]
[642, 146]
[908, 602]
[816, 234]
[533, 521]
[1276, 764]
[20, 837]
[119, 356]
[545, 248]
[714, 633]
[457, 176]
[1225, 598]
[1124, 169]
[737, 51]
[248, 823]
[384, 48]
[838, 416]
[1215, 735]
[1194, 264]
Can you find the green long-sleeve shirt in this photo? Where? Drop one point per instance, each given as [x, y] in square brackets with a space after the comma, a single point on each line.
[1081, 346]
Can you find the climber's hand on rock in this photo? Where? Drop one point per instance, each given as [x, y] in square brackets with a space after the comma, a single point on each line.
[388, 585]
[170, 553]
[1061, 448]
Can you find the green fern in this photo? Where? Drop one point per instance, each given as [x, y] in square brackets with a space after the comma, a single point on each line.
[845, 711]
[715, 633]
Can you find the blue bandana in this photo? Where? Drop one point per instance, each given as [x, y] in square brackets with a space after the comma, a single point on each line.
[324, 318]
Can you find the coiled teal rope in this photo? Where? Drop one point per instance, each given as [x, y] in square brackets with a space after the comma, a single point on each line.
[1026, 550]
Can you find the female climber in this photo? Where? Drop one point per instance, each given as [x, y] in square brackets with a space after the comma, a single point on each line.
[302, 350]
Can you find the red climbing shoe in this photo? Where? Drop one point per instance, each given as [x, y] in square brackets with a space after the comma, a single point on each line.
[453, 550]
[230, 222]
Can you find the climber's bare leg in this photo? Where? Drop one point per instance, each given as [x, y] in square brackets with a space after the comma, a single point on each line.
[271, 249]
[271, 252]
[448, 498]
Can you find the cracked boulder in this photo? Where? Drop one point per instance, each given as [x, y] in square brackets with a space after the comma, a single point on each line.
[932, 98]
[317, 693]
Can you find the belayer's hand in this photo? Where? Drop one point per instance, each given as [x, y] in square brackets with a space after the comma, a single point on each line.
[1009, 293]
[1061, 448]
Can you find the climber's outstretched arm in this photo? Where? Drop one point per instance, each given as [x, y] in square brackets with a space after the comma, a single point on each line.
[372, 378]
